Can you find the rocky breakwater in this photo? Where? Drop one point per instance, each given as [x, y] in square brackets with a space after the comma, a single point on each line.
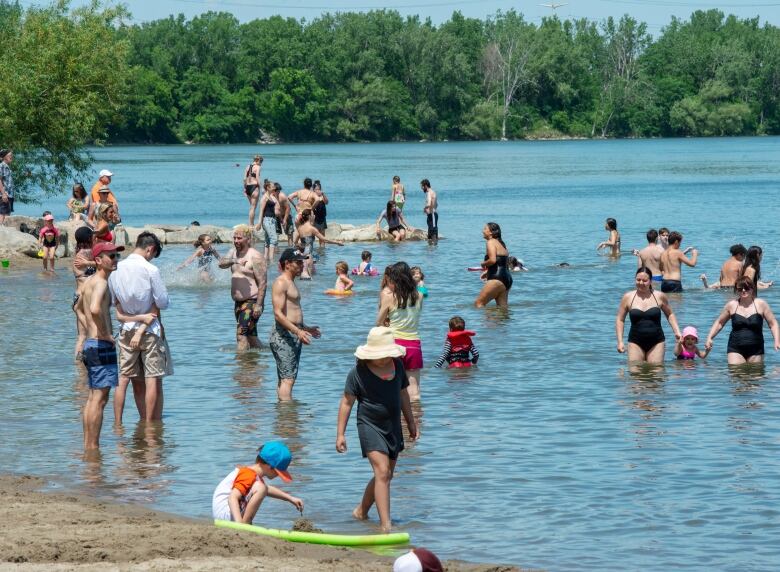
[18, 237]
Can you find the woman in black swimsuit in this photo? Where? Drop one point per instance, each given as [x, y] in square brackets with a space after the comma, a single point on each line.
[643, 306]
[498, 279]
[747, 314]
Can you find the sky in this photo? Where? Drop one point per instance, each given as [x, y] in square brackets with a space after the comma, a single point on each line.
[656, 13]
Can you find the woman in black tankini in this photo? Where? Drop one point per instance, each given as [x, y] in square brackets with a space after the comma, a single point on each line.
[747, 315]
[378, 382]
[646, 340]
[497, 275]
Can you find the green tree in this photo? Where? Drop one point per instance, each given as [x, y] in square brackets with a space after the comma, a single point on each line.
[64, 73]
[295, 104]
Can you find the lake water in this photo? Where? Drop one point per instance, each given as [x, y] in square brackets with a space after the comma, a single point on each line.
[551, 454]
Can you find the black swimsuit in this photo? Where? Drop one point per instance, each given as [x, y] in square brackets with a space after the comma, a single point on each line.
[646, 330]
[499, 271]
[269, 211]
[747, 336]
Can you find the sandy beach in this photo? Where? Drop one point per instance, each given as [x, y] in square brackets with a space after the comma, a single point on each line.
[62, 531]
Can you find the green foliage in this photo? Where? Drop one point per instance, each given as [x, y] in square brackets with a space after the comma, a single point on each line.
[78, 76]
[64, 76]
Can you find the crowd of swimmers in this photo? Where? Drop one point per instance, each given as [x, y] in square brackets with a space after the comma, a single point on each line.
[660, 263]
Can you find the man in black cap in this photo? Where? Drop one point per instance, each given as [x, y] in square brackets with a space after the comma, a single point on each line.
[6, 185]
[289, 333]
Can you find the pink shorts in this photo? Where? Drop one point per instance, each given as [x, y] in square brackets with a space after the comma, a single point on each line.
[413, 358]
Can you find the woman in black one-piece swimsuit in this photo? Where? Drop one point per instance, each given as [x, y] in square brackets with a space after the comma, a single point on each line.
[498, 279]
[646, 340]
[747, 315]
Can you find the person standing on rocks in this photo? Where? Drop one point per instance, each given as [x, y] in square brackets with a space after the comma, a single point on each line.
[99, 353]
[289, 333]
[252, 186]
[247, 286]
[104, 180]
[320, 210]
[285, 225]
[303, 199]
[138, 290]
[6, 185]
[431, 210]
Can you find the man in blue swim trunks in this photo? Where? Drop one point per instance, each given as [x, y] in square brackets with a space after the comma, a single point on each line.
[100, 357]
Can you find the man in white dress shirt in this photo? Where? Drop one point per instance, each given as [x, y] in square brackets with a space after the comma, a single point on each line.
[138, 290]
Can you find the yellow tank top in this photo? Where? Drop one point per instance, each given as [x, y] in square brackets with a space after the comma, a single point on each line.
[405, 321]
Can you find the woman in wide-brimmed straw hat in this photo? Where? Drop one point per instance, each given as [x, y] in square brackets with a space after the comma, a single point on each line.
[378, 382]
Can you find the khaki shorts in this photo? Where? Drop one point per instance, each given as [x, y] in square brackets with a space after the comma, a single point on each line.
[150, 359]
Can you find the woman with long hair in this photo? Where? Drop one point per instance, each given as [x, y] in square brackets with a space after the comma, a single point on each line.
[747, 314]
[396, 223]
[613, 242]
[643, 306]
[498, 280]
[105, 220]
[269, 213]
[400, 305]
[79, 203]
[752, 267]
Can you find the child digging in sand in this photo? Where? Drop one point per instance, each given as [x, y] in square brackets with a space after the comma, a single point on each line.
[239, 495]
[378, 382]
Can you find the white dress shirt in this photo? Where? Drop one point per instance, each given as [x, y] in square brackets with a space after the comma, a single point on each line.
[137, 285]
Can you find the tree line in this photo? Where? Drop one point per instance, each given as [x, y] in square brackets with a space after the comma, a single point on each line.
[76, 76]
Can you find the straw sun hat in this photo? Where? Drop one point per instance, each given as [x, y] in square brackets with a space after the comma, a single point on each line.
[380, 344]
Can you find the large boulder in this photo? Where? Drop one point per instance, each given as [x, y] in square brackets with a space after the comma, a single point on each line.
[13, 242]
[190, 235]
[127, 235]
[365, 233]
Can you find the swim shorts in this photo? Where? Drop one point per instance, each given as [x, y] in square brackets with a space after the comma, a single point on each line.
[246, 322]
[287, 352]
[269, 228]
[671, 286]
[658, 278]
[413, 358]
[149, 359]
[99, 358]
[7, 208]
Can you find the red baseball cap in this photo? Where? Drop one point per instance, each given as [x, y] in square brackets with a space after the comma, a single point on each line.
[102, 247]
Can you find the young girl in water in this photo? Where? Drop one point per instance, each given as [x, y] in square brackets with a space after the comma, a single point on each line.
[343, 282]
[459, 350]
[379, 384]
[686, 348]
[419, 279]
[48, 239]
[206, 255]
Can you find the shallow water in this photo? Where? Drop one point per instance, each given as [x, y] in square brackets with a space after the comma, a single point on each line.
[551, 454]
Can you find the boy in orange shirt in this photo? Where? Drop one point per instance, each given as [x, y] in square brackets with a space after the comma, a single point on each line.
[239, 495]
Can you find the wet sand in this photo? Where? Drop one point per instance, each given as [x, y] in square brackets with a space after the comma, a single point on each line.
[62, 531]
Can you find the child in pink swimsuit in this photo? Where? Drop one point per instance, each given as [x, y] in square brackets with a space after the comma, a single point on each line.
[686, 348]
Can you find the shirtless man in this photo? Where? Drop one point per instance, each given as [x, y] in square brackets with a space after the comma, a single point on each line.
[670, 264]
[303, 199]
[289, 332]
[431, 209]
[99, 351]
[283, 214]
[730, 270]
[247, 285]
[650, 255]
[252, 186]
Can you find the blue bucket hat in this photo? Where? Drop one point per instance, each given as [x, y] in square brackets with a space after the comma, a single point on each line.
[278, 456]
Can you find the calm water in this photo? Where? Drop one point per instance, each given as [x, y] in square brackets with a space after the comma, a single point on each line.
[550, 454]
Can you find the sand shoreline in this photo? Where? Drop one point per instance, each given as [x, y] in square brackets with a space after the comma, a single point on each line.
[67, 531]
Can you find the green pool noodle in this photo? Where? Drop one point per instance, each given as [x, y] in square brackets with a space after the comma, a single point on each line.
[395, 538]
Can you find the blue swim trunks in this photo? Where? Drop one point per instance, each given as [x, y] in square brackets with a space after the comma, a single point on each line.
[658, 278]
[101, 362]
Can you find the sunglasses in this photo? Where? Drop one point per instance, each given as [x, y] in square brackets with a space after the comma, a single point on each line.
[744, 289]
[112, 255]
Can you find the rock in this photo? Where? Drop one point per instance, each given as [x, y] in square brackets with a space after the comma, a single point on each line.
[225, 236]
[13, 242]
[191, 234]
[365, 233]
[131, 234]
[16, 221]
[165, 227]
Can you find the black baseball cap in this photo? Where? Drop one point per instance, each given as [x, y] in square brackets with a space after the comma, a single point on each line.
[291, 254]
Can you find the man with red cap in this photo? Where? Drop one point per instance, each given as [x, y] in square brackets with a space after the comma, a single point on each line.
[99, 351]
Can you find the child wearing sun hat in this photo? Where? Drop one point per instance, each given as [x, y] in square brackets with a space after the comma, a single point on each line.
[379, 384]
[239, 495]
